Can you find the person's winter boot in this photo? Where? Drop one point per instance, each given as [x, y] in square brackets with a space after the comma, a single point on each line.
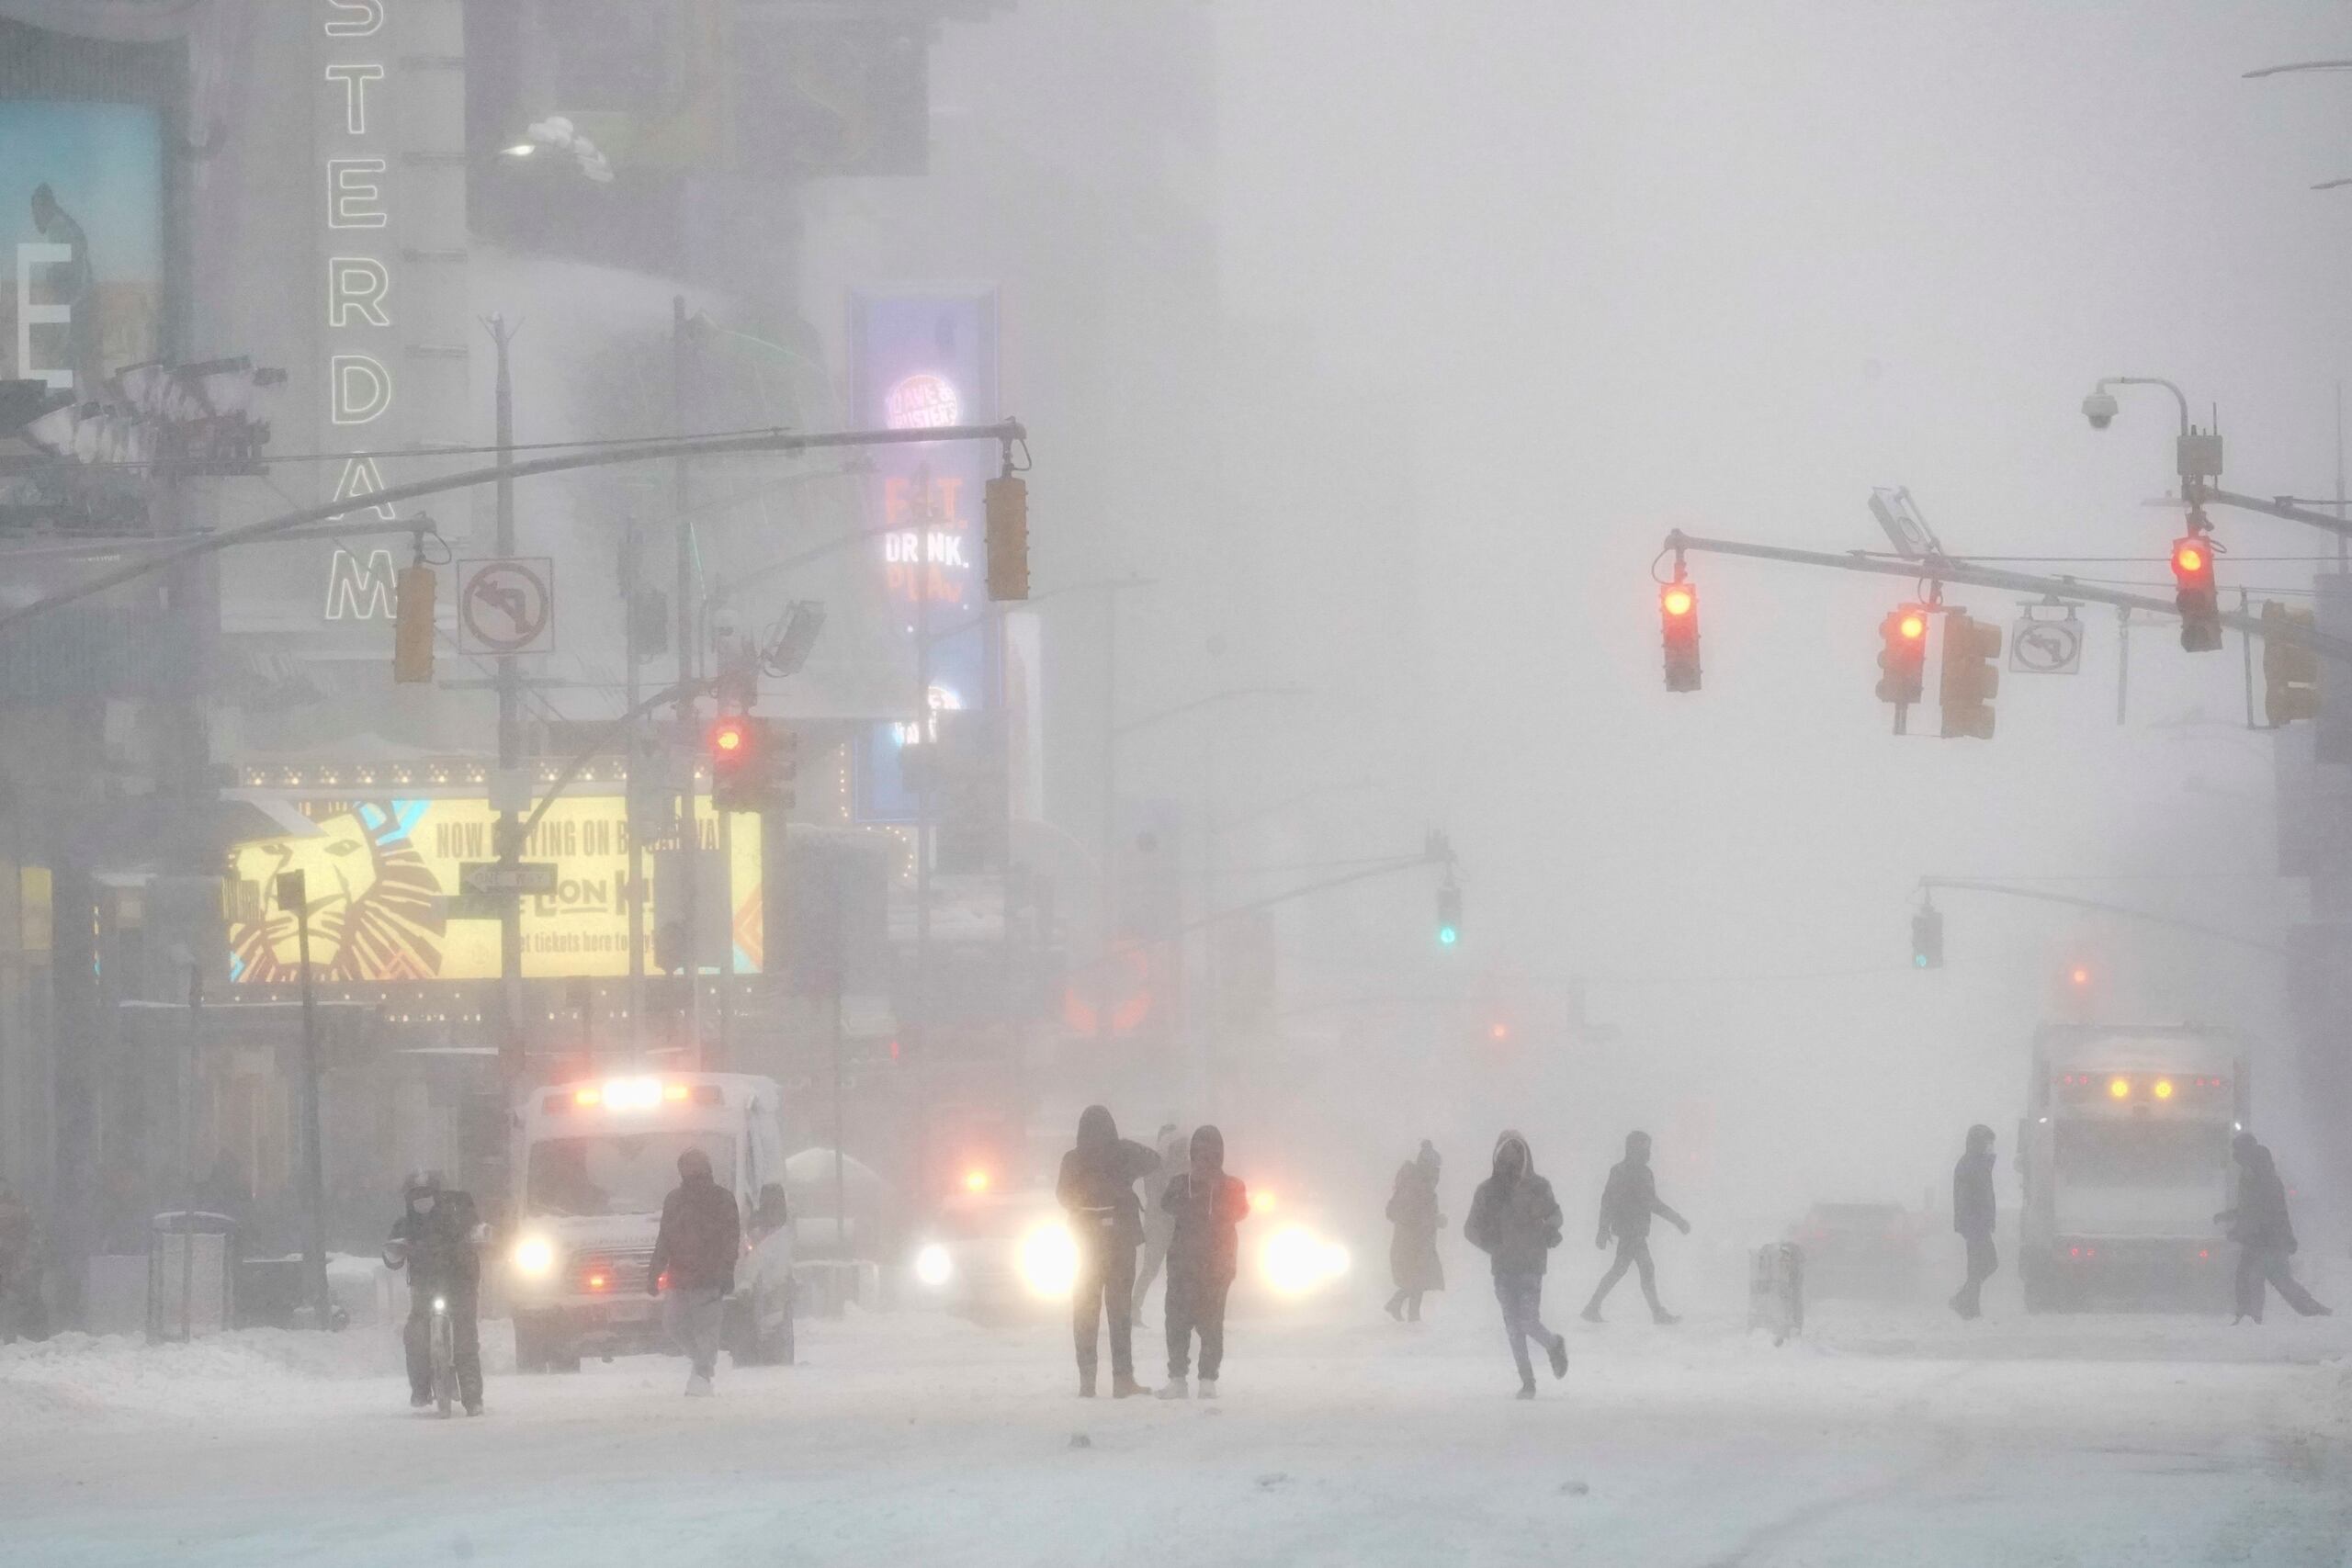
[1125, 1387]
[1175, 1388]
[1208, 1388]
[1664, 1318]
[1559, 1349]
[1590, 1314]
[1085, 1383]
[1526, 1391]
[1395, 1307]
[473, 1407]
[419, 1398]
[697, 1387]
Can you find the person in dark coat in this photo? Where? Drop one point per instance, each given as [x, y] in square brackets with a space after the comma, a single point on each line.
[438, 1239]
[1627, 1202]
[1412, 1246]
[1203, 1254]
[1972, 1216]
[2266, 1239]
[700, 1239]
[1515, 1221]
[1098, 1187]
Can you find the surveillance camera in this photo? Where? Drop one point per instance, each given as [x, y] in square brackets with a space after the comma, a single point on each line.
[2099, 409]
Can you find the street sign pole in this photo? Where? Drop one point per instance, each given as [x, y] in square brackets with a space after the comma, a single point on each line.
[293, 894]
[511, 1044]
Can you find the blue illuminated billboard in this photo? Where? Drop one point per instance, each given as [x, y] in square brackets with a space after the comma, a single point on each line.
[81, 239]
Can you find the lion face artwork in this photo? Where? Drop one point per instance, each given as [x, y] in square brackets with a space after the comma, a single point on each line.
[376, 910]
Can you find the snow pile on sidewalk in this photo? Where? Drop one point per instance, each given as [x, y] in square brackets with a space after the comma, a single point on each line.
[86, 1374]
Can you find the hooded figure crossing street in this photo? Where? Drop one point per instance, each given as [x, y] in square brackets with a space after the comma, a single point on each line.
[701, 1235]
[1098, 1187]
[1972, 1216]
[2266, 1239]
[1626, 1205]
[1203, 1255]
[1413, 1261]
[1515, 1221]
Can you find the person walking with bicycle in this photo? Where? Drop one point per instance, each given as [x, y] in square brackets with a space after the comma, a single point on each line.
[437, 1239]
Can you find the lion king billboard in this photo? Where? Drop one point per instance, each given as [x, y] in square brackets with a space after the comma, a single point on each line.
[381, 873]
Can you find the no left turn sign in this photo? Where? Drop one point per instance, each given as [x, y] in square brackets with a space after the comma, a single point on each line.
[506, 605]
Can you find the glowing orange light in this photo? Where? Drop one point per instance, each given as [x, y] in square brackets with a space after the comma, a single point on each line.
[1262, 1202]
[674, 1091]
[975, 1181]
[2163, 1089]
[2080, 975]
[1500, 1031]
[1678, 600]
[2188, 559]
[1913, 627]
[728, 737]
[588, 1097]
[595, 1281]
[2117, 1089]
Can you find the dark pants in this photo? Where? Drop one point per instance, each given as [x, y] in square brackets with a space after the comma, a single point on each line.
[1981, 1262]
[465, 1336]
[1106, 1287]
[1522, 1299]
[2258, 1265]
[1633, 1252]
[1196, 1304]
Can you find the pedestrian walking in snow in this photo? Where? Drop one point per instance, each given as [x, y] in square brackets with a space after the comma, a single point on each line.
[700, 1238]
[1098, 1187]
[1515, 1221]
[1627, 1203]
[1972, 1216]
[1413, 1263]
[1203, 1254]
[1159, 1225]
[2266, 1239]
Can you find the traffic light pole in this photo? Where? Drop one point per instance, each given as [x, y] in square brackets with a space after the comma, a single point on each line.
[511, 1052]
[1944, 568]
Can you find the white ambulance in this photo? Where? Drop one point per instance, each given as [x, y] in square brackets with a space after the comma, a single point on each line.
[593, 1160]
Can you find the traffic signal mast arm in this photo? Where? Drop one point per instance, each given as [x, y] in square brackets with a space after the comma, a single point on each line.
[1944, 568]
[1007, 432]
[2010, 889]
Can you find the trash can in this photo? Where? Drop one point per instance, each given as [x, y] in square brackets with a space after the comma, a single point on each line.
[191, 1280]
[1776, 1290]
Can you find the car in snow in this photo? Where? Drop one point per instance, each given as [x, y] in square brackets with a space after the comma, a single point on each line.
[1001, 1256]
[593, 1160]
[1867, 1251]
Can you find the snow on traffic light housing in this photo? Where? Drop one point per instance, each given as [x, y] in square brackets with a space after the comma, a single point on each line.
[1677, 608]
[2195, 593]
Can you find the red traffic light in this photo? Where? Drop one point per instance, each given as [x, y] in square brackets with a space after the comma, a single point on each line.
[1912, 627]
[2189, 559]
[728, 737]
[1678, 600]
[1678, 607]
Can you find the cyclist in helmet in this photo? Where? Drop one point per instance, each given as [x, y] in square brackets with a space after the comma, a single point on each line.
[436, 1238]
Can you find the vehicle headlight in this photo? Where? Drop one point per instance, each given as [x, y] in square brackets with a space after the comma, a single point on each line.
[1297, 1261]
[1049, 1260]
[534, 1257]
[934, 1267]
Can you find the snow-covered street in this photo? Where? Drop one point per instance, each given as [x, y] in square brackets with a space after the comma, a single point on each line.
[1883, 1439]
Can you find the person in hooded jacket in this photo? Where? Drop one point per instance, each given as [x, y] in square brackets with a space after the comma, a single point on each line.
[1972, 1215]
[2266, 1239]
[1413, 1262]
[1627, 1202]
[1203, 1254]
[1159, 1225]
[1098, 1187]
[437, 1239]
[1515, 1221]
[700, 1238]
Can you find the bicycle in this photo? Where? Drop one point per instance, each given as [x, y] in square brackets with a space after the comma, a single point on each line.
[442, 1338]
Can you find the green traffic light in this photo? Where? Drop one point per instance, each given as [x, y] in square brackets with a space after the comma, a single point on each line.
[1447, 936]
